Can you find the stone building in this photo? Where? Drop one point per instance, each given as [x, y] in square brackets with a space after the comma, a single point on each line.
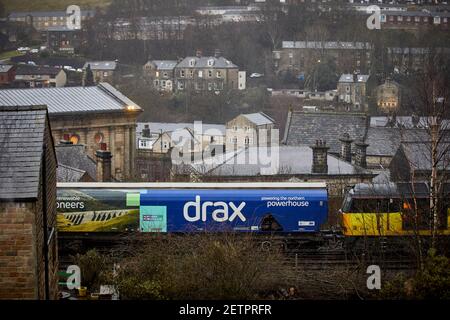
[203, 74]
[28, 236]
[161, 74]
[103, 71]
[7, 75]
[43, 20]
[388, 96]
[301, 57]
[29, 76]
[248, 130]
[355, 90]
[91, 116]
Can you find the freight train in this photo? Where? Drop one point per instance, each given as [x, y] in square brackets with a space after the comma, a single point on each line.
[290, 210]
[263, 208]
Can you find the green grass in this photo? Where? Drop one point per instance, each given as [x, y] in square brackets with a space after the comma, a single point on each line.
[114, 225]
[44, 5]
[9, 54]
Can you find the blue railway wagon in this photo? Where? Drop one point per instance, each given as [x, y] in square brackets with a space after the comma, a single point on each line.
[190, 207]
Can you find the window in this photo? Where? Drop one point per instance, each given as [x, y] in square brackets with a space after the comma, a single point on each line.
[234, 128]
[210, 62]
[98, 137]
[219, 74]
[180, 85]
[399, 18]
[192, 63]
[247, 140]
[210, 86]
[165, 74]
[105, 74]
[210, 73]
[75, 139]
[182, 73]
[191, 73]
[235, 140]
[200, 74]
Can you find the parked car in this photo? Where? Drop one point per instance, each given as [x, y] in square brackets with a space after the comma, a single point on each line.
[256, 75]
[34, 50]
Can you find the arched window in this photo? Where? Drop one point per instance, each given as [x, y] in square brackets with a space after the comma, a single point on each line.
[98, 138]
[75, 139]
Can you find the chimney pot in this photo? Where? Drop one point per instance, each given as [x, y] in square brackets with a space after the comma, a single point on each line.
[361, 154]
[320, 157]
[346, 147]
[103, 165]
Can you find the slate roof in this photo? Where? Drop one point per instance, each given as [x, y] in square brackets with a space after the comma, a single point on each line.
[21, 147]
[5, 67]
[23, 69]
[101, 65]
[418, 155]
[383, 141]
[202, 62]
[23, 14]
[292, 161]
[165, 64]
[157, 127]
[348, 78]
[304, 128]
[259, 118]
[75, 156]
[100, 98]
[68, 174]
[325, 45]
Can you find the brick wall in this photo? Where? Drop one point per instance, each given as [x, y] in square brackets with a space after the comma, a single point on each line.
[22, 262]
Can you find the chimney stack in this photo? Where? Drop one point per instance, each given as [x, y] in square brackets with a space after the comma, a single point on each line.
[346, 147]
[199, 53]
[217, 53]
[361, 154]
[146, 131]
[103, 165]
[320, 157]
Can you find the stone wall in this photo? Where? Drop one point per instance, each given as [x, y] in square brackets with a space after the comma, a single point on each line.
[117, 130]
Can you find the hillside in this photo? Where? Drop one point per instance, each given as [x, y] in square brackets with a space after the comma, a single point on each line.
[44, 5]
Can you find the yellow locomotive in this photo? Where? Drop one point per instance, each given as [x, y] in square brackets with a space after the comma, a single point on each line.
[393, 209]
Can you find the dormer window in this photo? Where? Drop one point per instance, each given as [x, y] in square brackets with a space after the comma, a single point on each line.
[210, 62]
[192, 63]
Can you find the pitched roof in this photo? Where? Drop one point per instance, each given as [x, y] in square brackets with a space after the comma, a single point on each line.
[100, 98]
[383, 141]
[304, 128]
[349, 78]
[418, 155]
[202, 62]
[165, 64]
[259, 118]
[20, 14]
[101, 65]
[158, 127]
[24, 69]
[68, 174]
[5, 67]
[292, 161]
[342, 45]
[21, 146]
[75, 156]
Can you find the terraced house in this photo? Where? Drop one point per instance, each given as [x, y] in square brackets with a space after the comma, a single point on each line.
[208, 73]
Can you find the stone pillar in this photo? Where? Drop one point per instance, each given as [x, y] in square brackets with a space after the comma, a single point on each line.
[361, 154]
[126, 152]
[103, 165]
[320, 157]
[346, 147]
[112, 148]
[132, 149]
